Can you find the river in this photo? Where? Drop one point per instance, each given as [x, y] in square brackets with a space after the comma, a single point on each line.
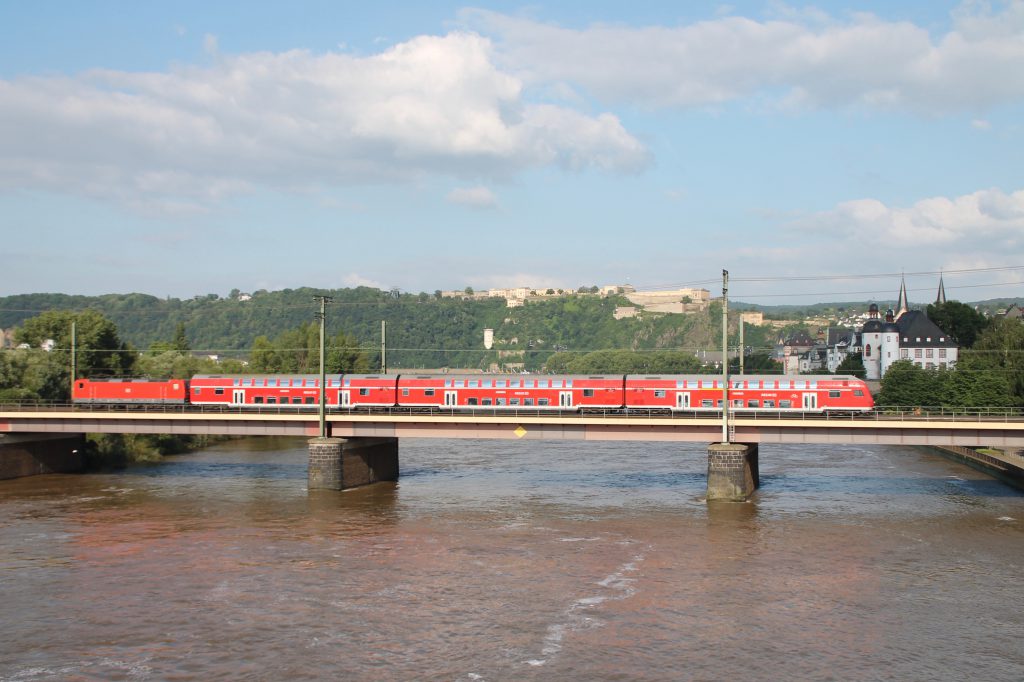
[493, 560]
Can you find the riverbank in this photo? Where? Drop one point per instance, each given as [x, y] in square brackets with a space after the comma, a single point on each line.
[1008, 467]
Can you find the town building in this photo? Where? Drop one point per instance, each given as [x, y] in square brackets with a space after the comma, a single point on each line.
[905, 334]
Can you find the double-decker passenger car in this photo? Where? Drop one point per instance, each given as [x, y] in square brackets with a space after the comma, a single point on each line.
[749, 392]
[261, 389]
[510, 391]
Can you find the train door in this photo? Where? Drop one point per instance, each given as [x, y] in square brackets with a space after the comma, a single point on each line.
[451, 398]
[237, 397]
[565, 398]
[682, 401]
[810, 401]
[344, 398]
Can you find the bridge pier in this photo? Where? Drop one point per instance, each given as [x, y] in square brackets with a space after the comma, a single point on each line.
[29, 454]
[732, 471]
[341, 463]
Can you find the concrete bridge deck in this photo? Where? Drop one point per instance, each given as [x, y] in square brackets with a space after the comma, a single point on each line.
[899, 428]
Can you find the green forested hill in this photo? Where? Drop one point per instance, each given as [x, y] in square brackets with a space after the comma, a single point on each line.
[423, 331]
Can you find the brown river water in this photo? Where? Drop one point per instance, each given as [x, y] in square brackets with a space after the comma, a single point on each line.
[492, 560]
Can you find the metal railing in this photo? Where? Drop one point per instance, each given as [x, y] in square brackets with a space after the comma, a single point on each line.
[879, 414]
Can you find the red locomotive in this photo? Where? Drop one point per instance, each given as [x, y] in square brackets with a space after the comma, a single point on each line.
[669, 393]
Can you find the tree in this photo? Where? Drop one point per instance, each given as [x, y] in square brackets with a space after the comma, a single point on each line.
[1000, 348]
[469, 291]
[908, 385]
[99, 349]
[974, 384]
[852, 364]
[960, 321]
[180, 343]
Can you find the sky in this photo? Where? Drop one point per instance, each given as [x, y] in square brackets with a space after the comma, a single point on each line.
[818, 152]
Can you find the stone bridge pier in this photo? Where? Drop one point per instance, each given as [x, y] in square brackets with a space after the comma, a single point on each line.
[341, 463]
[732, 471]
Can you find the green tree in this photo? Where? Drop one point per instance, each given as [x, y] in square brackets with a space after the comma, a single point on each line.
[99, 350]
[1000, 348]
[180, 342]
[908, 385]
[960, 321]
[852, 364]
[975, 384]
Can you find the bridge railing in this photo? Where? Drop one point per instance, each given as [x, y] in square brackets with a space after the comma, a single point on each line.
[880, 413]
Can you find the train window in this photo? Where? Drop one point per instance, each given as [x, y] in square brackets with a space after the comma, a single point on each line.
[216, 391]
[514, 401]
[500, 383]
[556, 383]
[752, 403]
[487, 401]
[501, 401]
[428, 391]
[271, 382]
[718, 404]
[405, 391]
[471, 401]
[474, 383]
[257, 382]
[660, 393]
[513, 383]
[737, 403]
[705, 403]
[542, 383]
[487, 383]
[588, 393]
[680, 383]
[528, 402]
[755, 384]
[785, 404]
[769, 403]
[258, 400]
[364, 391]
[247, 382]
[459, 383]
[859, 393]
[812, 384]
[543, 402]
[833, 394]
[309, 400]
[194, 390]
[271, 400]
[568, 383]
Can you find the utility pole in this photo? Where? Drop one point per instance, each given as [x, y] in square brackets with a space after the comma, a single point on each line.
[743, 349]
[324, 300]
[725, 356]
[74, 359]
[383, 347]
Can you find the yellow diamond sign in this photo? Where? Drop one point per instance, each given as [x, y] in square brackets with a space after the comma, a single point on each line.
[520, 432]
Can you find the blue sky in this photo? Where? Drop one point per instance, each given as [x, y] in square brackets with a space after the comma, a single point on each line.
[190, 148]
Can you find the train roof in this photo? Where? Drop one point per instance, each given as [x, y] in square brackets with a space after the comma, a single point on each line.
[454, 375]
[743, 377]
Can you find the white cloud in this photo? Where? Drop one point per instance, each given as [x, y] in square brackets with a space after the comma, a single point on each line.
[474, 197]
[293, 121]
[987, 220]
[354, 279]
[796, 56]
[981, 124]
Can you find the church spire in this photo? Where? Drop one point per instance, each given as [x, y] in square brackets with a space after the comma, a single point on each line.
[941, 298]
[902, 305]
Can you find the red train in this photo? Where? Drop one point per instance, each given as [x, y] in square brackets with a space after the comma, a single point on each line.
[676, 392]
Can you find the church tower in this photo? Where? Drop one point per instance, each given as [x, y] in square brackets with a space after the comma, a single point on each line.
[941, 298]
[902, 305]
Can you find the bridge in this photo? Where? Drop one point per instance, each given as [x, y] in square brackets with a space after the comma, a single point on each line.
[362, 446]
